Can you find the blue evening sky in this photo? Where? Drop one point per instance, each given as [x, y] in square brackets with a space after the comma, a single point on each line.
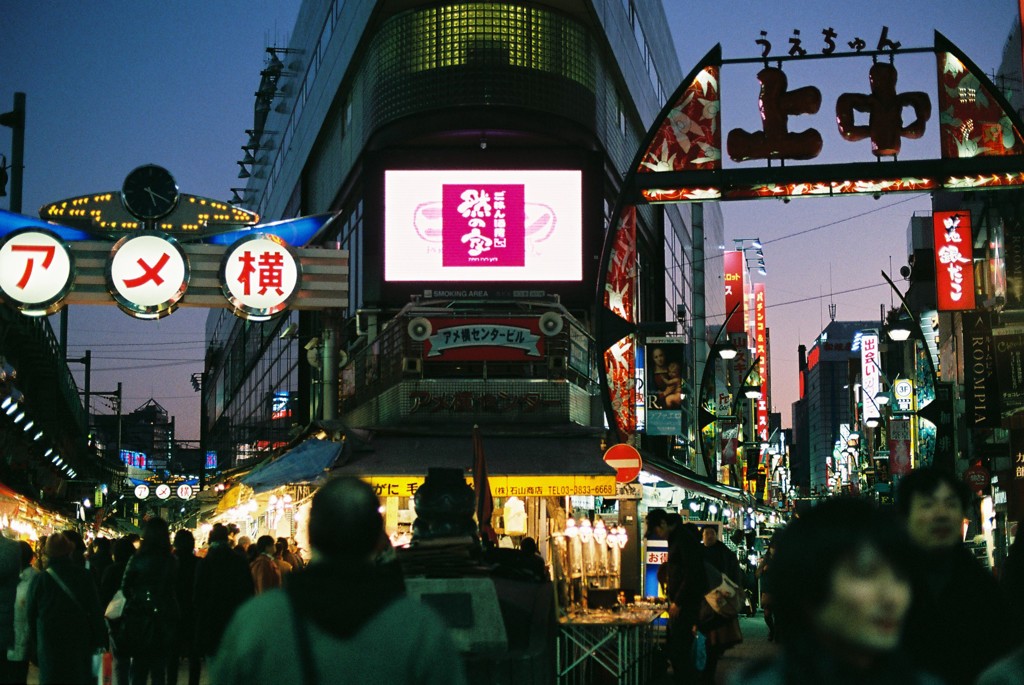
[114, 84]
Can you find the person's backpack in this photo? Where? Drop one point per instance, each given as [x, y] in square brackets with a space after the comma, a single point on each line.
[139, 630]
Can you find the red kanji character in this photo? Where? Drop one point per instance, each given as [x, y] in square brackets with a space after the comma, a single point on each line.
[271, 271]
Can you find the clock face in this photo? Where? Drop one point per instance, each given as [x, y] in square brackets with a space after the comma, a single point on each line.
[149, 192]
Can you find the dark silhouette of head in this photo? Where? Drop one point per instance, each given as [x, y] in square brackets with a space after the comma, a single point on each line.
[219, 533]
[184, 541]
[156, 537]
[345, 520]
[265, 545]
[528, 545]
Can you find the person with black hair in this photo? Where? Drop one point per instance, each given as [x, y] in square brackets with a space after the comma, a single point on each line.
[958, 623]
[17, 653]
[64, 617]
[685, 584]
[184, 643]
[223, 583]
[150, 578]
[841, 585]
[344, 618]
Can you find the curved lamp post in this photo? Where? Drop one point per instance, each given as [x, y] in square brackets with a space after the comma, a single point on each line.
[705, 417]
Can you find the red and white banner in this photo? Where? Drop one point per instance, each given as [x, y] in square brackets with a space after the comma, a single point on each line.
[761, 350]
[870, 377]
[735, 291]
[900, 461]
[954, 261]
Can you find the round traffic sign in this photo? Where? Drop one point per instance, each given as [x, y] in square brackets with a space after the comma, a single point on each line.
[625, 459]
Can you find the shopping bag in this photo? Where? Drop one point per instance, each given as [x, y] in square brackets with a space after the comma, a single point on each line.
[699, 652]
[724, 597]
[116, 607]
[103, 667]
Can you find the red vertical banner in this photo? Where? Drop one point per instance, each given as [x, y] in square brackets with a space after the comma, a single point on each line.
[735, 292]
[761, 350]
[900, 462]
[954, 260]
[482, 491]
[620, 291]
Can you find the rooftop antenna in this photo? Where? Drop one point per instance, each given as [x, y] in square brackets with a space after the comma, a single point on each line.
[892, 304]
[831, 301]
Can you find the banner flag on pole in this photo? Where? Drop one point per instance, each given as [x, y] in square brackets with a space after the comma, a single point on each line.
[482, 490]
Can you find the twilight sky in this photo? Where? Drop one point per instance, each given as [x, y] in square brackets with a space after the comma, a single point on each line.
[114, 84]
[111, 85]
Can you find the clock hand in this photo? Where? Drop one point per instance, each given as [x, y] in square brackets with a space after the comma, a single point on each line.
[154, 196]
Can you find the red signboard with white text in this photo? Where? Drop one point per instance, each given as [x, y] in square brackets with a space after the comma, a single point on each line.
[954, 263]
[735, 291]
[761, 350]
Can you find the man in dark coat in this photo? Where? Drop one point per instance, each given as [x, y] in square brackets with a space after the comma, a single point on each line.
[10, 568]
[685, 586]
[958, 622]
[723, 636]
[223, 583]
[64, 617]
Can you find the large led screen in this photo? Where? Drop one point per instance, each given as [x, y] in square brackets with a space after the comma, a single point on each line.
[473, 225]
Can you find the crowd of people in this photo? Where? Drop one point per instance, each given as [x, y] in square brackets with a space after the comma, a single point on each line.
[155, 604]
[858, 595]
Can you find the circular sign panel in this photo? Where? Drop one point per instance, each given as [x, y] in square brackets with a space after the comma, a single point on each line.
[903, 389]
[163, 491]
[260, 275]
[142, 491]
[147, 274]
[36, 271]
[184, 491]
[625, 459]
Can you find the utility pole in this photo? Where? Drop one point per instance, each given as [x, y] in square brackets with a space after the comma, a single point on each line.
[15, 120]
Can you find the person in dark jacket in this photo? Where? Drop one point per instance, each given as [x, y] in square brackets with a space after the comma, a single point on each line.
[151, 576]
[99, 559]
[64, 616]
[185, 635]
[110, 583]
[958, 623]
[10, 568]
[223, 583]
[841, 586]
[685, 586]
[725, 633]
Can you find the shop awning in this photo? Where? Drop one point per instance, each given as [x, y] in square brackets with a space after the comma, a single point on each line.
[522, 466]
[681, 476]
[306, 463]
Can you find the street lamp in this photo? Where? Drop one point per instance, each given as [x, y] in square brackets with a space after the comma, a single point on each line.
[705, 418]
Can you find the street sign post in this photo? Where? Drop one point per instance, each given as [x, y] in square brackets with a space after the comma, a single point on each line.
[626, 461]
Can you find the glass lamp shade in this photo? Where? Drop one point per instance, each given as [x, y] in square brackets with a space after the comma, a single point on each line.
[899, 332]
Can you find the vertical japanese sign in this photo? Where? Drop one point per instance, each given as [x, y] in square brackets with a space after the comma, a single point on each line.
[1008, 354]
[870, 376]
[761, 350]
[735, 291]
[954, 263]
[483, 225]
[664, 386]
[899, 447]
[620, 291]
[36, 271]
[259, 276]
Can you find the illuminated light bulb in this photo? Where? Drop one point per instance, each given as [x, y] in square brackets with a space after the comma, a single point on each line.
[586, 530]
[600, 532]
[571, 530]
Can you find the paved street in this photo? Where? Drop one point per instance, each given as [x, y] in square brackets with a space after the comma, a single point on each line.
[755, 647]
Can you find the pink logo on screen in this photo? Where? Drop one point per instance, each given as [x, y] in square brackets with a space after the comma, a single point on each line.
[483, 225]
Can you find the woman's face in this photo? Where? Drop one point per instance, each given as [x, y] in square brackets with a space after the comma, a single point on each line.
[867, 604]
[658, 355]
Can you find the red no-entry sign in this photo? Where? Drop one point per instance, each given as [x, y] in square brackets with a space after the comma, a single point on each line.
[625, 460]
